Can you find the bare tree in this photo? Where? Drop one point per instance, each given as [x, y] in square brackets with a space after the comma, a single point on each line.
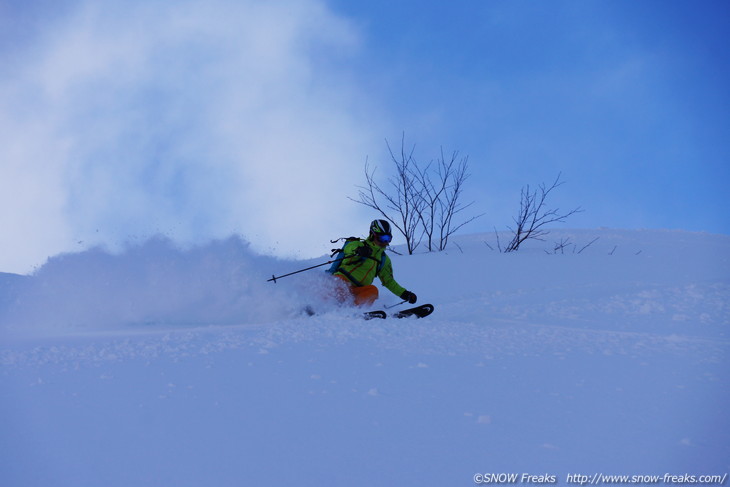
[560, 246]
[442, 198]
[420, 201]
[430, 195]
[434, 196]
[402, 203]
[534, 215]
[452, 177]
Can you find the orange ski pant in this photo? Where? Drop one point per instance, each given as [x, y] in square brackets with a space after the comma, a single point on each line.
[361, 295]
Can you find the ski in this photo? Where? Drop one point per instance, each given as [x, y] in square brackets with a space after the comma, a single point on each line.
[369, 315]
[419, 312]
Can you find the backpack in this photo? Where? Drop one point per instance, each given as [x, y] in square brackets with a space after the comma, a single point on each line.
[340, 253]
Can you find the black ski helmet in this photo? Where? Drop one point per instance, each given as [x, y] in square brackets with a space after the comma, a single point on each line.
[380, 227]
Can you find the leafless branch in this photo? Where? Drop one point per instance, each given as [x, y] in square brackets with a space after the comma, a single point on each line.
[442, 198]
[534, 215]
[588, 245]
[401, 203]
[420, 201]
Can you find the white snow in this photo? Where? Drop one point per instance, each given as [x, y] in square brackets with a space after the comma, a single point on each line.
[167, 367]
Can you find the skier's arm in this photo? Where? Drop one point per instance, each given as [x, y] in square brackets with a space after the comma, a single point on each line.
[386, 277]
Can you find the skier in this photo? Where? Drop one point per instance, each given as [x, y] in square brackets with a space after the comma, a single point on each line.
[362, 261]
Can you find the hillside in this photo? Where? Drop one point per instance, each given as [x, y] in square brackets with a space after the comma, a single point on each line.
[161, 366]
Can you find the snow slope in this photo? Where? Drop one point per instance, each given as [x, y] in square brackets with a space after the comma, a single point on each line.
[160, 366]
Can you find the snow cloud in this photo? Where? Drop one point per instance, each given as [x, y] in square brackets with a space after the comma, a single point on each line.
[190, 119]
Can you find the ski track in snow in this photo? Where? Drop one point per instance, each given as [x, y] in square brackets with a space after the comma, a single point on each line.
[498, 332]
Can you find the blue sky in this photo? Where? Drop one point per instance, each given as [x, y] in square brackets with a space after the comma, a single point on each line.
[627, 99]
[196, 120]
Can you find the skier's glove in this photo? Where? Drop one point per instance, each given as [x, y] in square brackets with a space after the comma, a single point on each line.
[408, 296]
[364, 251]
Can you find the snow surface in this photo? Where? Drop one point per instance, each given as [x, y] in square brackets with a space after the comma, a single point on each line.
[166, 367]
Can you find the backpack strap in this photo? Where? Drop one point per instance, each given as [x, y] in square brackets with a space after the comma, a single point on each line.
[335, 267]
[347, 240]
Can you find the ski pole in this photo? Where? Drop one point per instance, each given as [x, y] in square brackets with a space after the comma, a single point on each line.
[274, 278]
[396, 304]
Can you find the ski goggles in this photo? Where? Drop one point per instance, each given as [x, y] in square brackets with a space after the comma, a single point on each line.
[383, 238]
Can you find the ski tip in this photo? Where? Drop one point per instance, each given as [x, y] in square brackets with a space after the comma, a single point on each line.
[419, 311]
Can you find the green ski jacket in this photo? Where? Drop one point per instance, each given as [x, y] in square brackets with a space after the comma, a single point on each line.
[361, 271]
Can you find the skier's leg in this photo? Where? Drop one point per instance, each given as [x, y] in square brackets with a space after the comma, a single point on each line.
[343, 290]
[365, 295]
